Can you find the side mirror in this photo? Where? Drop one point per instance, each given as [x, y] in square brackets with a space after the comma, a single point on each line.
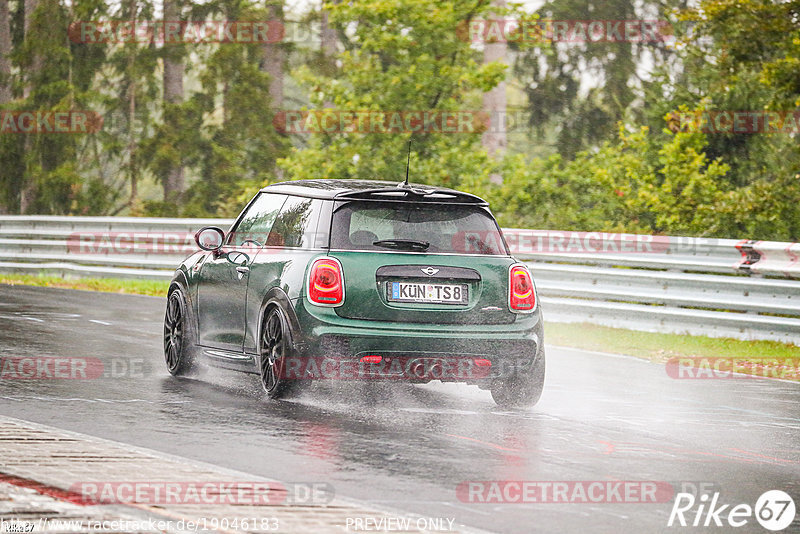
[210, 238]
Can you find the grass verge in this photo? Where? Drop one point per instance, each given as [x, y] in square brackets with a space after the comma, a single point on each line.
[761, 358]
[110, 285]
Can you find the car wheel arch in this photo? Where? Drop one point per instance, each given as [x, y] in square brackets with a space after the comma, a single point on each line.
[277, 298]
[181, 282]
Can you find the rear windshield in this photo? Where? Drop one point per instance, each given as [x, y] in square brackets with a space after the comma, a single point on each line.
[415, 228]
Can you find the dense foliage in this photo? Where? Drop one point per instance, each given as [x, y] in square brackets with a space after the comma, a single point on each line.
[598, 142]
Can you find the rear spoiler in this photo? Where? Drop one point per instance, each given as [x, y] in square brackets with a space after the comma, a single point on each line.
[413, 194]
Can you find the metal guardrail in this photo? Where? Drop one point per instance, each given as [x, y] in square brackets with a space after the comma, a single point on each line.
[715, 287]
[111, 247]
[702, 286]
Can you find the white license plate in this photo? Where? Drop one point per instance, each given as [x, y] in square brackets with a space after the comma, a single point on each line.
[430, 293]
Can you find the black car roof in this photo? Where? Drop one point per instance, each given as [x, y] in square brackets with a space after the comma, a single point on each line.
[372, 190]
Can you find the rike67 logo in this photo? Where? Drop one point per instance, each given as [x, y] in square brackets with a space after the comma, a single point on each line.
[774, 510]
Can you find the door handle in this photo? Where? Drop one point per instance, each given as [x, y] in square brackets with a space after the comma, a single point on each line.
[242, 270]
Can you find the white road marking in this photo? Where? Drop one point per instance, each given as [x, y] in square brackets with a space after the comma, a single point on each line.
[77, 399]
[21, 317]
[99, 322]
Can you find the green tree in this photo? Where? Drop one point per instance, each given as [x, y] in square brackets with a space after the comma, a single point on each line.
[129, 90]
[43, 172]
[578, 91]
[223, 131]
[404, 55]
[741, 56]
[634, 184]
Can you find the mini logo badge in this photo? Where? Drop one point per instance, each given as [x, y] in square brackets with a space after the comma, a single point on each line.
[430, 271]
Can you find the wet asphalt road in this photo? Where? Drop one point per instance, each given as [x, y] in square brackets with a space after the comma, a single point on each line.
[601, 418]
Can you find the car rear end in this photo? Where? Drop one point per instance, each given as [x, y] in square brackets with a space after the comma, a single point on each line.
[418, 286]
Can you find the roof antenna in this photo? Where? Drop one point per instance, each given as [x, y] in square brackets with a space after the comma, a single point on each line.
[408, 163]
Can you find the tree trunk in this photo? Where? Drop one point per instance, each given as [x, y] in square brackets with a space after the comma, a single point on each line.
[328, 49]
[36, 60]
[327, 37]
[5, 50]
[273, 60]
[133, 168]
[27, 195]
[174, 183]
[494, 102]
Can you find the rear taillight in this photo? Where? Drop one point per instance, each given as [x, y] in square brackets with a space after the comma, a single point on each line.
[521, 294]
[326, 282]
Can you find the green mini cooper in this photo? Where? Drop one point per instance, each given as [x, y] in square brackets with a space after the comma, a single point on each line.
[359, 280]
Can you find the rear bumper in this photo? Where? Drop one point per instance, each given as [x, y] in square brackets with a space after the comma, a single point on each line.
[454, 353]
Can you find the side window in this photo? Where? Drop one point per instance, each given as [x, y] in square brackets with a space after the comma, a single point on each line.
[257, 221]
[296, 225]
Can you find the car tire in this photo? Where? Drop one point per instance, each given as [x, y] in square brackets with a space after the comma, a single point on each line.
[178, 349]
[275, 347]
[520, 390]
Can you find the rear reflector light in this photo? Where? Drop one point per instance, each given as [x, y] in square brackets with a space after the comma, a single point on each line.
[521, 295]
[326, 282]
[372, 359]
